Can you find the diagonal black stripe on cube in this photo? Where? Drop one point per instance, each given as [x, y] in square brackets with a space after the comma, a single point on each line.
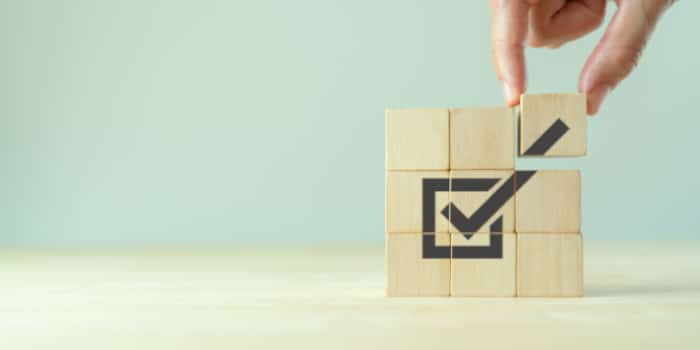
[522, 177]
[548, 138]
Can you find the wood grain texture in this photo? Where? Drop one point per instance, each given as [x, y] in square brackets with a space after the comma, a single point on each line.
[469, 202]
[219, 296]
[417, 139]
[550, 265]
[408, 274]
[482, 138]
[484, 277]
[403, 206]
[539, 111]
[549, 202]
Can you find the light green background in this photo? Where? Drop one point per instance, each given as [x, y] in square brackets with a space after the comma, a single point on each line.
[263, 120]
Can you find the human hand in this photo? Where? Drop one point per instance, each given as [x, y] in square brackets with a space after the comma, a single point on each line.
[552, 23]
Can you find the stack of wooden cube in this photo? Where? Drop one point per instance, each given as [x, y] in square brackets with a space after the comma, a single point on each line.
[460, 220]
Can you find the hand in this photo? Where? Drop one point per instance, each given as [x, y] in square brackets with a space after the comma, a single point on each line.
[552, 23]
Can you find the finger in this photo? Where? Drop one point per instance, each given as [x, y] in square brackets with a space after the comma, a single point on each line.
[555, 22]
[540, 20]
[508, 32]
[619, 50]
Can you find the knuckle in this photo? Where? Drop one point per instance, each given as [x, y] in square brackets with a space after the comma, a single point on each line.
[594, 22]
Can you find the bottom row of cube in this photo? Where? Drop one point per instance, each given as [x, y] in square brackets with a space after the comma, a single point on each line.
[523, 264]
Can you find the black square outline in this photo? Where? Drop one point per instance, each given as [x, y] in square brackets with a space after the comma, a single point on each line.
[430, 250]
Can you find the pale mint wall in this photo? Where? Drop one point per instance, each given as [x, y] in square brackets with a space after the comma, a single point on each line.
[263, 120]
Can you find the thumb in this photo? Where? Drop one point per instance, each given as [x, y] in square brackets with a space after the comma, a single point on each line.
[620, 48]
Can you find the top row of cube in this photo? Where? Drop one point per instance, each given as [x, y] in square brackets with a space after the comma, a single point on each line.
[550, 125]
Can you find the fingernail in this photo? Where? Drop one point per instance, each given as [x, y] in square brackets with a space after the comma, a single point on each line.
[596, 98]
[507, 92]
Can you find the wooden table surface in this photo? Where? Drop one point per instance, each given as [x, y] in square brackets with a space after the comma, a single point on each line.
[639, 295]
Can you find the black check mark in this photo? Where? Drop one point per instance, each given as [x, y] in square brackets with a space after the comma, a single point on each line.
[470, 225]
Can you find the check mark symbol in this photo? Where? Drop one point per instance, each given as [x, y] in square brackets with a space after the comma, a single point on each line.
[470, 225]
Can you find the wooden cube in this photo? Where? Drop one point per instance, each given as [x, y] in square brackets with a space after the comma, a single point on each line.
[482, 138]
[552, 125]
[483, 265]
[550, 265]
[417, 139]
[548, 201]
[407, 192]
[408, 273]
[479, 197]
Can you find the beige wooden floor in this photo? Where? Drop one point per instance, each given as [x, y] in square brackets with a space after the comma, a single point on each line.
[639, 296]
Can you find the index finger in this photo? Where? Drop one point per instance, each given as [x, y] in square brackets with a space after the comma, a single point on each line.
[508, 32]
